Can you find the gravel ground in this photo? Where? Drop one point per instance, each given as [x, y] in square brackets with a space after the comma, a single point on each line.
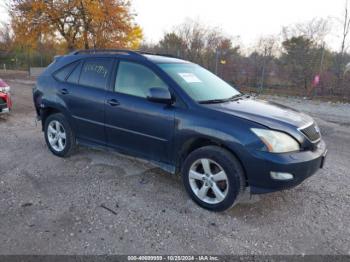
[98, 202]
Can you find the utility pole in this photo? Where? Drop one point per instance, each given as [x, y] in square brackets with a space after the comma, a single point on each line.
[217, 61]
[322, 57]
[320, 70]
[263, 70]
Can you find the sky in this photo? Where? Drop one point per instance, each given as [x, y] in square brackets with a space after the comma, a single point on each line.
[3, 13]
[249, 19]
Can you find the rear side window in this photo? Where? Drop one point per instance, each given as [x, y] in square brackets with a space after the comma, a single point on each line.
[95, 73]
[74, 76]
[64, 72]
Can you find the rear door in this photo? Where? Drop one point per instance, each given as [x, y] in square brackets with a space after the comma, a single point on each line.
[84, 93]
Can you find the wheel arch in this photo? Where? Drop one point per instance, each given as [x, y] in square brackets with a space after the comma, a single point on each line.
[195, 143]
[49, 110]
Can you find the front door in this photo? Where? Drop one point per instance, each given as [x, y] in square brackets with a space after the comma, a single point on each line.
[133, 123]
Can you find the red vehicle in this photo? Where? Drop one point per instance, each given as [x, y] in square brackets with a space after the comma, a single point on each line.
[5, 97]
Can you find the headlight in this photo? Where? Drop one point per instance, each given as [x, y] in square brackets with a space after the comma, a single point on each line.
[277, 142]
[5, 89]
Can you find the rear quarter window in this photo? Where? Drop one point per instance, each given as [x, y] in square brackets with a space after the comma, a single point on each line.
[64, 72]
[74, 76]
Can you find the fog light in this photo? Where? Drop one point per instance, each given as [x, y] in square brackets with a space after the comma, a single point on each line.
[281, 176]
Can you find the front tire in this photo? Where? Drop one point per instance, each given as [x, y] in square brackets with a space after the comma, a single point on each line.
[213, 178]
[59, 136]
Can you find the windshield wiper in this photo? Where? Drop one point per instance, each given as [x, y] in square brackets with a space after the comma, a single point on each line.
[217, 101]
[214, 101]
[235, 97]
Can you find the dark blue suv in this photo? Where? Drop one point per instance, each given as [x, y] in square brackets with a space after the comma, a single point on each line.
[179, 116]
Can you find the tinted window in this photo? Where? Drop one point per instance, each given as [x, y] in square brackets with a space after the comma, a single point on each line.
[64, 72]
[135, 79]
[74, 76]
[95, 73]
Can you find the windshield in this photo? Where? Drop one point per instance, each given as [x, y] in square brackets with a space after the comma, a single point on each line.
[200, 84]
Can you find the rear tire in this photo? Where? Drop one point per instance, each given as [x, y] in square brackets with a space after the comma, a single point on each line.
[59, 135]
[213, 178]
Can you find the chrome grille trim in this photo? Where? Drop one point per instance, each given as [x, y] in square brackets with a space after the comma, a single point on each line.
[310, 132]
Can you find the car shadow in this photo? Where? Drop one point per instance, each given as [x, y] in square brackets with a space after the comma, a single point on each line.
[262, 209]
[252, 209]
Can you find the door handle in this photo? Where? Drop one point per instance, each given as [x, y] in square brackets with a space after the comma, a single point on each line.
[64, 91]
[113, 102]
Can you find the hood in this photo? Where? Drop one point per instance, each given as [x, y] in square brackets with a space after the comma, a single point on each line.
[270, 114]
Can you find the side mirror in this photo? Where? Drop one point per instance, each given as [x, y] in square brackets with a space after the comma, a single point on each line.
[160, 95]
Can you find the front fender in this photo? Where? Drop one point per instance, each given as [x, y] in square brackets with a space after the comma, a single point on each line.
[194, 131]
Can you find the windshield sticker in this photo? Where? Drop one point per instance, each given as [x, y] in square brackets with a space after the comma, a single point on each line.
[190, 78]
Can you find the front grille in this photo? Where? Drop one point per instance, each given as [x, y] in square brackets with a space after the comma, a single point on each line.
[312, 132]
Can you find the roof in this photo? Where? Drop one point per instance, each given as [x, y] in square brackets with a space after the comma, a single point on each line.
[162, 59]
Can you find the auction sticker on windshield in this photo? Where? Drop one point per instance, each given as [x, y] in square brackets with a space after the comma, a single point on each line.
[190, 78]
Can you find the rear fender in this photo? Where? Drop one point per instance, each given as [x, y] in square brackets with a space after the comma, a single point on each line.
[48, 109]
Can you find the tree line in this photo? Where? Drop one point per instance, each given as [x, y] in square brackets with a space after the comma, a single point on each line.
[298, 60]
[41, 29]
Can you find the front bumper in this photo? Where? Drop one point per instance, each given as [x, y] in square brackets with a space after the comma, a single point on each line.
[300, 164]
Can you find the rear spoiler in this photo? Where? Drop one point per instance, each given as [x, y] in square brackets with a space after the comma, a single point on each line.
[56, 58]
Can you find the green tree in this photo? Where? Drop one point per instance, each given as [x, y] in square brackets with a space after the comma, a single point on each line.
[172, 44]
[301, 58]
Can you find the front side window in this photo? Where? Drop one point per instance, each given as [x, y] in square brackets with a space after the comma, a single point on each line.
[95, 73]
[200, 84]
[136, 79]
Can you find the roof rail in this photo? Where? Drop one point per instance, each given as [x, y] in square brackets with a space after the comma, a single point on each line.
[137, 53]
[108, 51]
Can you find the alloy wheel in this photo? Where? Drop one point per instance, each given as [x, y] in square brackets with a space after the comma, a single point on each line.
[56, 135]
[208, 181]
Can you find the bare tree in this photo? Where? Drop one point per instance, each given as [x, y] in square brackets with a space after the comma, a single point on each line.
[5, 35]
[194, 36]
[340, 63]
[316, 29]
[196, 42]
[346, 29]
[4, 27]
[267, 48]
